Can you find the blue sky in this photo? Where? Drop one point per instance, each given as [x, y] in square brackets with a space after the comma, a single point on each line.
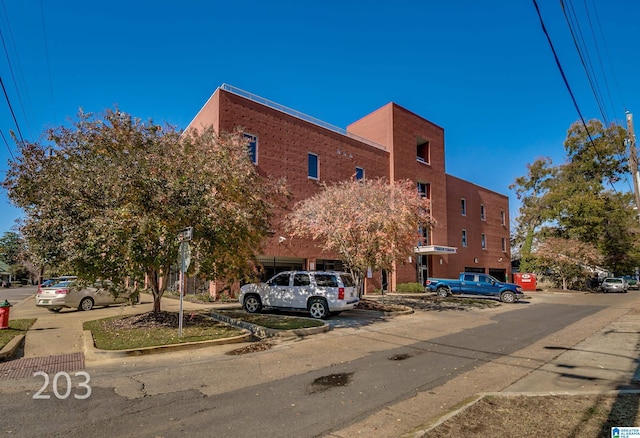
[483, 71]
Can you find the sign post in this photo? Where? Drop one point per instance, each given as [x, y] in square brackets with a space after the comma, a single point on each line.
[184, 260]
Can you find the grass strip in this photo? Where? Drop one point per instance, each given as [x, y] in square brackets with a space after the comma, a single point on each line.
[16, 327]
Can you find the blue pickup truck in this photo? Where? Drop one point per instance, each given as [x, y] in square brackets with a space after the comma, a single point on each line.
[471, 283]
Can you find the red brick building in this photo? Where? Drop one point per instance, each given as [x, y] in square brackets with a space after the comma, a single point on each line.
[472, 229]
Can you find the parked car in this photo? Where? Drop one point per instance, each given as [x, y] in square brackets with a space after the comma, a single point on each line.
[53, 280]
[67, 294]
[614, 284]
[631, 281]
[317, 292]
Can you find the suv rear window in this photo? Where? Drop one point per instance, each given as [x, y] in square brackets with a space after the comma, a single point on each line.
[347, 280]
[326, 280]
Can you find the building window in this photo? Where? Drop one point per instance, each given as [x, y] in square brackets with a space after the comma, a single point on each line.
[423, 151]
[482, 214]
[484, 241]
[425, 235]
[359, 173]
[463, 206]
[252, 146]
[504, 245]
[464, 238]
[313, 167]
[424, 189]
[502, 217]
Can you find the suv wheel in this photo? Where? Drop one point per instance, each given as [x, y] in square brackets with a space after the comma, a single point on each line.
[318, 308]
[252, 304]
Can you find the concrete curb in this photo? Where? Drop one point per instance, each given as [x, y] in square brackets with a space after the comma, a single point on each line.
[12, 347]
[91, 352]
[263, 332]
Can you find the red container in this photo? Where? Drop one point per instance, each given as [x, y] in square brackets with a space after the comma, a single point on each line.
[4, 314]
[527, 281]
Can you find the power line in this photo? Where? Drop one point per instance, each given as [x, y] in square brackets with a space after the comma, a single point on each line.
[13, 77]
[595, 43]
[566, 83]
[7, 145]
[46, 54]
[583, 53]
[11, 109]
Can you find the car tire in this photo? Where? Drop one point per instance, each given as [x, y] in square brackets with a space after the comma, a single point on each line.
[54, 309]
[252, 304]
[85, 304]
[318, 308]
[442, 292]
[508, 297]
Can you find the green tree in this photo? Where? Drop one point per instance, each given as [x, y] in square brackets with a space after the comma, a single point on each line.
[595, 161]
[531, 190]
[11, 248]
[370, 223]
[580, 199]
[107, 197]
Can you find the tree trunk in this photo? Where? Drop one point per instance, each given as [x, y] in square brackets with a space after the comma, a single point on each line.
[358, 280]
[153, 278]
[156, 302]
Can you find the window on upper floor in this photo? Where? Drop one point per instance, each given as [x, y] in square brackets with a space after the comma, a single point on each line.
[359, 173]
[482, 213]
[503, 217]
[463, 206]
[424, 189]
[425, 234]
[313, 166]
[504, 244]
[483, 238]
[423, 151]
[464, 237]
[252, 146]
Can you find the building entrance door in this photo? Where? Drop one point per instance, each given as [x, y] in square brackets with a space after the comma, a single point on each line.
[423, 269]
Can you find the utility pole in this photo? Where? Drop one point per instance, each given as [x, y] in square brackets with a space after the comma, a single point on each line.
[633, 161]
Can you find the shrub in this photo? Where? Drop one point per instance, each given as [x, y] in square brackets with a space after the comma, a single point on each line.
[409, 288]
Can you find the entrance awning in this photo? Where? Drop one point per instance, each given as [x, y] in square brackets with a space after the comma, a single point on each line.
[435, 249]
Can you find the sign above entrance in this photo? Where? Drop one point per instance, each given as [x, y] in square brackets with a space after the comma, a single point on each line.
[435, 249]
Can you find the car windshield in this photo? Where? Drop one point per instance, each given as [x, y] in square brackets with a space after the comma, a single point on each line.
[614, 280]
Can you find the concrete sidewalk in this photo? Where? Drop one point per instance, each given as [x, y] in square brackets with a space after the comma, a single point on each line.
[61, 333]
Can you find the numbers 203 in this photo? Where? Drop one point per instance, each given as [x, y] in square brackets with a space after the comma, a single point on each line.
[62, 389]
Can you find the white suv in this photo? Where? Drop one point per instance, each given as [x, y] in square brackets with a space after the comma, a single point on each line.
[318, 292]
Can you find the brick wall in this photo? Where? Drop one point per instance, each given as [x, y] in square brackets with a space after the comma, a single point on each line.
[492, 257]
[284, 142]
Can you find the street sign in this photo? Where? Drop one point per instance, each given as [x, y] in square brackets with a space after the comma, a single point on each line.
[185, 256]
[185, 234]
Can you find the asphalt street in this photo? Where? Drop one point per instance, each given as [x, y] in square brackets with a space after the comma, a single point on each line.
[311, 387]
